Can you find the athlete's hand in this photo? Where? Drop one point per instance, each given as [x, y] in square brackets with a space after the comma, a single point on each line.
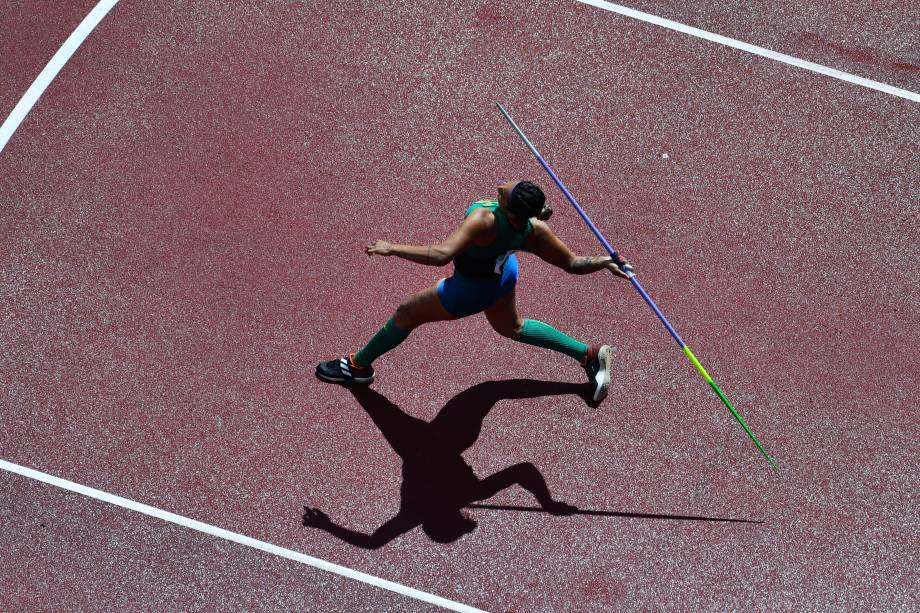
[612, 266]
[379, 248]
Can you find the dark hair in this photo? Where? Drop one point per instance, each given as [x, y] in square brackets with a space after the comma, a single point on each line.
[527, 200]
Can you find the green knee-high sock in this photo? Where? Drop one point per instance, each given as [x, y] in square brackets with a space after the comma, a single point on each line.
[537, 333]
[389, 336]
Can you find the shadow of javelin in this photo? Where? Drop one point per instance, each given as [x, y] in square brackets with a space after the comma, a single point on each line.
[496, 507]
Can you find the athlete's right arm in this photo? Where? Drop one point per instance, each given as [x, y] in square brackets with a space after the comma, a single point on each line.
[550, 248]
[479, 221]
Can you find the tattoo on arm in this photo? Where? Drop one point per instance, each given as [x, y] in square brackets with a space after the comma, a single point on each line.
[585, 265]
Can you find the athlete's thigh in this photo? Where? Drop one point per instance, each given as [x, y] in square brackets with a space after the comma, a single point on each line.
[503, 314]
[421, 308]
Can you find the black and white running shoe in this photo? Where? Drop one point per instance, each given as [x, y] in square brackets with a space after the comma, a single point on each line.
[597, 367]
[345, 370]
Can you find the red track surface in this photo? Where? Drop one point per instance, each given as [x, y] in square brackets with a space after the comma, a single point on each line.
[183, 215]
[876, 40]
[32, 31]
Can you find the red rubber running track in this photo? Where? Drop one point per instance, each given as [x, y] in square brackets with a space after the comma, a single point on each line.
[183, 217]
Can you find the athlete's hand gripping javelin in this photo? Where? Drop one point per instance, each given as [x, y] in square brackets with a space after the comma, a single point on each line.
[617, 270]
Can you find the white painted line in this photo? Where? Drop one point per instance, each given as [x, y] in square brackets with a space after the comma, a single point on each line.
[51, 70]
[236, 538]
[737, 44]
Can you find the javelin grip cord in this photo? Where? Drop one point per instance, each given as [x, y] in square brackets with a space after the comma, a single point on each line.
[627, 269]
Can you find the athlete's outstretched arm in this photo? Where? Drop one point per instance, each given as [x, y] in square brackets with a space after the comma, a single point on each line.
[550, 248]
[478, 222]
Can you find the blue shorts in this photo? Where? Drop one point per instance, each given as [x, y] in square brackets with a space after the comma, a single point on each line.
[463, 296]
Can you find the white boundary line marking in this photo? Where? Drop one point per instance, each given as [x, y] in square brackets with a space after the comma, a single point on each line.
[767, 53]
[51, 70]
[236, 538]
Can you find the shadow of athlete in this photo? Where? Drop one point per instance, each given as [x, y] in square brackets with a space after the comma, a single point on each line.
[437, 481]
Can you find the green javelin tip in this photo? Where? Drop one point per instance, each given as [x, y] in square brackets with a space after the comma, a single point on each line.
[721, 395]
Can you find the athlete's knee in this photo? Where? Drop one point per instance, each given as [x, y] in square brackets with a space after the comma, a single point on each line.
[405, 316]
[509, 329]
[413, 312]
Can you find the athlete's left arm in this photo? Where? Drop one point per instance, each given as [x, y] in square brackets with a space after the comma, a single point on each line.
[550, 248]
[478, 222]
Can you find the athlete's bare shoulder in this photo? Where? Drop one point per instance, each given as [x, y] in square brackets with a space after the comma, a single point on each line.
[482, 219]
[538, 234]
[482, 226]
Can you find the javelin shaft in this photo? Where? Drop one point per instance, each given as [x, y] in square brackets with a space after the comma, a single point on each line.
[613, 252]
[635, 282]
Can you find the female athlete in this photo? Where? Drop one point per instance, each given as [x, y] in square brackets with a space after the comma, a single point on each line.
[485, 272]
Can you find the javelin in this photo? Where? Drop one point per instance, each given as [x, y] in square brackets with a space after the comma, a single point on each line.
[628, 271]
